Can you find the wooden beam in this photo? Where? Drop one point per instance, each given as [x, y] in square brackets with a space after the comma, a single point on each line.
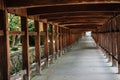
[16, 33]
[77, 17]
[78, 20]
[4, 48]
[32, 33]
[25, 47]
[37, 46]
[79, 31]
[52, 15]
[113, 7]
[19, 12]
[71, 23]
[82, 24]
[34, 3]
[63, 16]
[45, 27]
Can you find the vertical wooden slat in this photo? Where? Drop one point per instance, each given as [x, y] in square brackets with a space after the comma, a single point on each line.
[45, 27]
[25, 46]
[4, 48]
[37, 46]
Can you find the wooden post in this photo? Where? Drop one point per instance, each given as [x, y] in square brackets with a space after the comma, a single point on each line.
[56, 42]
[61, 41]
[37, 46]
[118, 52]
[4, 48]
[118, 43]
[25, 47]
[51, 43]
[46, 44]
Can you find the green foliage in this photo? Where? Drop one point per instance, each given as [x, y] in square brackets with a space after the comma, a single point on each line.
[31, 25]
[41, 39]
[13, 22]
[31, 40]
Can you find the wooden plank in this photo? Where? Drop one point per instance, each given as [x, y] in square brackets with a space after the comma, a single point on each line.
[42, 33]
[34, 3]
[45, 27]
[37, 46]
[4, 48]
[115, 7]
[16, 33]
[25, 47]
[77, 20]
[19, 12]
[32, 33]
[78, 17]
[82, 14]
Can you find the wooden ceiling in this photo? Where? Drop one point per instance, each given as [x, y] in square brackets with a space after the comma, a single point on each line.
[74, 14]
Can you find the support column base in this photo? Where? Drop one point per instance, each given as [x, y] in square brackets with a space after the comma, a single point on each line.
[38, 70]
[56, 55]
[118, 66]
[47, 64]
[25, 77]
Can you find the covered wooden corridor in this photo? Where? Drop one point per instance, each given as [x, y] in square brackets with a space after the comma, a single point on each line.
[57, 26]
[84, 62]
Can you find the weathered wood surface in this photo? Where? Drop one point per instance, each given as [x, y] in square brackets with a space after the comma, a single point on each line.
[4, 48]
[45, 26]
[25, 46]
[37, 46]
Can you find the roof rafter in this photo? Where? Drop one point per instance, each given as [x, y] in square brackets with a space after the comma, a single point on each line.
[113, 7]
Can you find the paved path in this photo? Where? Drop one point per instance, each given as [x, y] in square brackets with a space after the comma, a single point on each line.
[83, 62]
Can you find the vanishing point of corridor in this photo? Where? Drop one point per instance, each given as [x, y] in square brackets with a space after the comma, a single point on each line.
[84, 62]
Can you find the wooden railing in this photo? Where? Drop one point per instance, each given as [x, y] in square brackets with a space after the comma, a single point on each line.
[20, 74]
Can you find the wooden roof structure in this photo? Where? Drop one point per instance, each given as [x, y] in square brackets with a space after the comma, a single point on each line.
[70, 17]
[67, 13]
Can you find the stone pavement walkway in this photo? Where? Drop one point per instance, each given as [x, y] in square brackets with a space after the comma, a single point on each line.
[84, 62]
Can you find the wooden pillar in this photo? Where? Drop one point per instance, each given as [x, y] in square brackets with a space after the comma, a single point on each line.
[118, 52]
[37, 46]
[46, 44]
[118, 42]
[69, 38]
[25, 47]
[56, 42]
[61, 38]
[52, 43]
[4, 48]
